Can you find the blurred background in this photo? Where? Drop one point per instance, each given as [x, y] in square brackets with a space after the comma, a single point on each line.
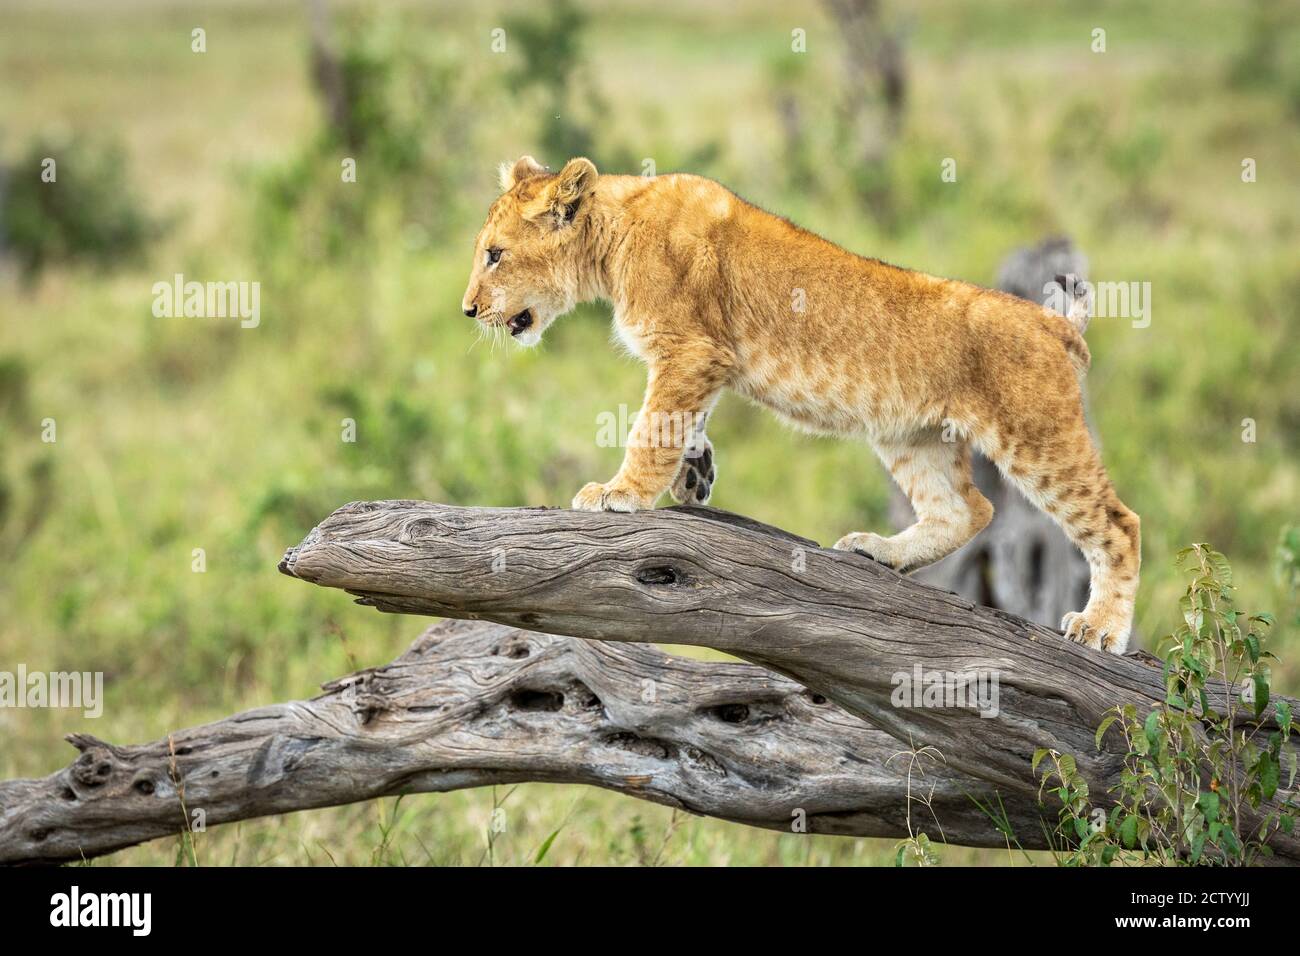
[176, 434]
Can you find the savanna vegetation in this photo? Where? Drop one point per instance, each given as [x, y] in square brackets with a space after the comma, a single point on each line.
[177, 434]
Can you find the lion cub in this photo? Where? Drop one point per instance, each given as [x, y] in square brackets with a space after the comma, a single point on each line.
[712, 292]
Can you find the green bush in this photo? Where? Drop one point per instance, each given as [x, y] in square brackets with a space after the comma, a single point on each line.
[1198, 780]
[401, 114]
[70, 199]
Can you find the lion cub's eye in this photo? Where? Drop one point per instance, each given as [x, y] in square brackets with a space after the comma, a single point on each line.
[493, 256]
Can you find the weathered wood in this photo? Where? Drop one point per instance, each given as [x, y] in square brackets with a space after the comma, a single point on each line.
[834, 621]
[474, 704]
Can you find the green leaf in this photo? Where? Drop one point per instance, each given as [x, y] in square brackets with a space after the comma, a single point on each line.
[1270, 773]
[1152, 728]
[1105, 725]
[1252, 645]
[1039, 754]
[546, 845]
[1261, 691]
[1230, 840]
[1068, 766]
[1128, 831]
[1209, 805]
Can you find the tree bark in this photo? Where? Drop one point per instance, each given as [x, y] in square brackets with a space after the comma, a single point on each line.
[838, 623]
[475, 704]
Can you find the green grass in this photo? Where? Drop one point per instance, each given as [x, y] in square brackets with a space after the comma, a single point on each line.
[176, 434]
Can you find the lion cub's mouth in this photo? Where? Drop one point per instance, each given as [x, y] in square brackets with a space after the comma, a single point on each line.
[520, 322]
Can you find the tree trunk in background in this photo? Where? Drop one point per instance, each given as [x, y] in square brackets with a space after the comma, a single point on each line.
[327, 74]
[873, 96]
[1022, 562]
[873, 58]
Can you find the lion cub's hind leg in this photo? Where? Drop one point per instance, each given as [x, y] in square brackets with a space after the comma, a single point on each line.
[936, 476]
[1063, 474]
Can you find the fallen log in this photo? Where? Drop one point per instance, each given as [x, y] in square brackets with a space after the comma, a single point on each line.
[833, 621]
[476, 704]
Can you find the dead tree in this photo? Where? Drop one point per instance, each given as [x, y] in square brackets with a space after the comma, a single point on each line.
[836, 622]
[472, 704]
[827, 748]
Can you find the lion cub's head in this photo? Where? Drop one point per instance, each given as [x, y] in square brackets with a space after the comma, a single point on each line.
[526, 269]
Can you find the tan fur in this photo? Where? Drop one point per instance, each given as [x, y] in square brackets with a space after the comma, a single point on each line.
[712, 292]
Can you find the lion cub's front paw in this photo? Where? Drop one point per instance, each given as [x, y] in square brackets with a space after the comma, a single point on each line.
[873, 546]
[695, 478]
[597, 497]
[1094, 630]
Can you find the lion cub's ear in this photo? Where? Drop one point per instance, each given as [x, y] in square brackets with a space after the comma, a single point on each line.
[511, 174]
[562, 196]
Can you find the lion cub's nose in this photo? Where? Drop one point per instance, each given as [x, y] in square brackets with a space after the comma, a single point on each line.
[472, 311]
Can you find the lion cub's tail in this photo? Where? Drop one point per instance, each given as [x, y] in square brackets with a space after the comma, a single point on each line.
[1080, 301]
[1077, 314]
